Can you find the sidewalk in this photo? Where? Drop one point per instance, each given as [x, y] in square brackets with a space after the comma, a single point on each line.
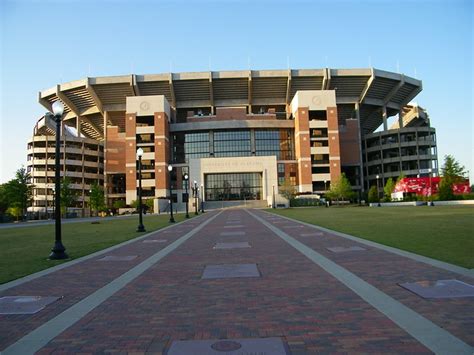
[150, 303]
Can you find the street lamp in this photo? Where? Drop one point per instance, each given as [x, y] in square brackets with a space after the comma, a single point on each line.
[90, 206]
[202, 198]
[141, 227]
[195, 195]
[186, 181]
[430, 203]
[170, 169]
[58, 251]
[378, 191]
[273, 196]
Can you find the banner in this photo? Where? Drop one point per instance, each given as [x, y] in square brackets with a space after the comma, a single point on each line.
[426, 186]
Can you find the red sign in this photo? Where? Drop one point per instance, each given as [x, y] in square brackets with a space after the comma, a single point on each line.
[426, 186]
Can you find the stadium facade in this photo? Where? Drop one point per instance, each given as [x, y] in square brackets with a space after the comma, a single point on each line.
[239, 134]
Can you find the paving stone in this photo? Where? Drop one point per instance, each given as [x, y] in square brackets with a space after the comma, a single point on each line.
[231, 233]
[118, 258]
[224, 271]
[345, 249]
[440, 289]
[260, 346]
[234, 226]
[293, 226]
[233, 245]
[317, 234]
[24, 304]
[155, 241]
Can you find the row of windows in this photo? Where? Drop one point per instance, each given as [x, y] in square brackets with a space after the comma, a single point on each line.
[236, 186]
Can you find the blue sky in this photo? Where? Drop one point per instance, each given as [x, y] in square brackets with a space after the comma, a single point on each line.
[44, 43]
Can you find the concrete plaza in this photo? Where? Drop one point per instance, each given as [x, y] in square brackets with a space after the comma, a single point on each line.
[242, 282]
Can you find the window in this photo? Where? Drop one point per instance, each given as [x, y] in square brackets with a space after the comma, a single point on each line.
[274, 142]
[234, 186]
[196, 145]
[232, 144]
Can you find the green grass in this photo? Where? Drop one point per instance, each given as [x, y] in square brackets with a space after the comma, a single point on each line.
[442, 232]
[24, 251]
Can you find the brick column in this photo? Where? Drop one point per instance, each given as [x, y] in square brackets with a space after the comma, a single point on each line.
[333, 142]
[303, 150]
[162, 154]
[130, 157]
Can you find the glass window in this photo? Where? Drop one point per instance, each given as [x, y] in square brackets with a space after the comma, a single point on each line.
[234, 186]
[232, 143]
[196, 145]
[274, 142]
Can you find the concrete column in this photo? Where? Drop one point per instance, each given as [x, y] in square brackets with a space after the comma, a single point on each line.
[384, 118]
[361, 170]
[400, 119]
[106, 115]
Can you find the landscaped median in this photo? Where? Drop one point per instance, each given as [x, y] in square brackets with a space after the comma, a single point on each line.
[445, 233]
[24, 251]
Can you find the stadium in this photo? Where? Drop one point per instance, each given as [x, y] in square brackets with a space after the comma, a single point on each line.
[239, 135]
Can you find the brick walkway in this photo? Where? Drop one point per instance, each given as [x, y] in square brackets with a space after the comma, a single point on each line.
[294, 298]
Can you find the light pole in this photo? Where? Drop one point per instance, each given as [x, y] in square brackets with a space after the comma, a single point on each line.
[141, 227]
[273, 196]
[90, 207]
[430, 202]
[202, 198]
[170, 169]
[195, 194]
[58, 251]
[378, 191]
[186, 181]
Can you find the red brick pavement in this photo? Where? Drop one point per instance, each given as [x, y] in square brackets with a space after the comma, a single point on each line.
[293, 299]
[78, 281]
[385, 270]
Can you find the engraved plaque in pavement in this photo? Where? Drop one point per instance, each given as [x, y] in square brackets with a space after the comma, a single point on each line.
[155, 241]
[24, 304]
[232, 245]
[225, 271]
[344, 249]
[118, 258]
[234, 226]
[315, 234]
[257, 346]
[231, 233]
[440, 289]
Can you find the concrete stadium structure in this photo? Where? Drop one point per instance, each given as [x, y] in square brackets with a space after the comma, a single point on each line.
[241, 134]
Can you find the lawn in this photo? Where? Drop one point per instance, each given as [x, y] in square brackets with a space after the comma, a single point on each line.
[442, 232]
[24, 251]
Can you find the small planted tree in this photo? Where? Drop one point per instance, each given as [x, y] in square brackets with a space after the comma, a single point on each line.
[149, 203]
[68, 196]
[341, 189]
[287, 190]
[97, 198]
[373, 194]
[388, 189]
[452, 172]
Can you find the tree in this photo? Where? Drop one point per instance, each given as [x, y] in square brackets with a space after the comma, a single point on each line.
[97, 197]
[149, 203]
[373, 194]
[341, 189]
[452, 169]
[118, 204]
[388, 189]
[287, 190]
[15, 211]
[68, 196]
[452, 172]
[17, 193]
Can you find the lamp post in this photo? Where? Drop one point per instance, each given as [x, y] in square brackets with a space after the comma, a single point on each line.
[58, 251]
[141, 227]
[378, 191]
[186, 181]
[90, 207]
[430, 202]
[273, 196]
[170, 169]
[195, 195]
[202, 198]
